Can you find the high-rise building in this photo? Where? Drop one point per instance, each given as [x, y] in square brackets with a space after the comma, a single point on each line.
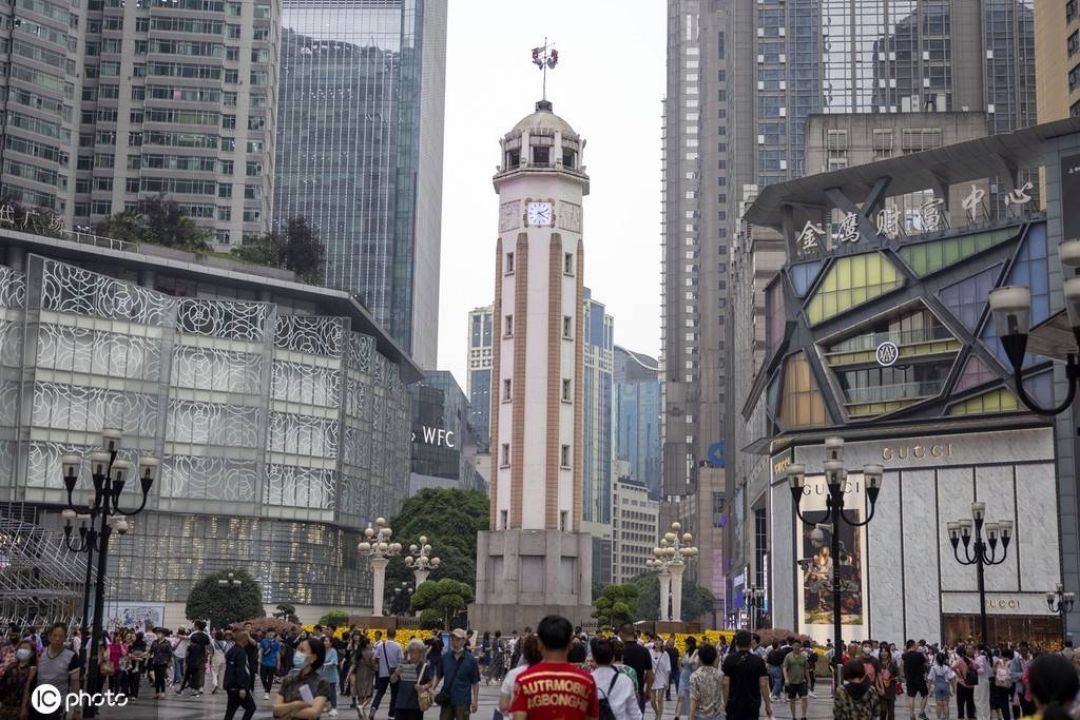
[636, 527]
[478, 384]
[360, 147]
[597, 441]
[443, 441]
[113, 102]
[795, 58]
[637, 417]
[536, 558]
[1057, 58]
[597, 412]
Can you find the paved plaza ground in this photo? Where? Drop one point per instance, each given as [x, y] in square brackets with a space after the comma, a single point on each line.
[212, 707]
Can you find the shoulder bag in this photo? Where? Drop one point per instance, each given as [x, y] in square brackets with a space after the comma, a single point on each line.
[424, 697]
[443, 698]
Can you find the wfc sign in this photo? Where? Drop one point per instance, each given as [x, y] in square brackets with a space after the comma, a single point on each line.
[439, 437]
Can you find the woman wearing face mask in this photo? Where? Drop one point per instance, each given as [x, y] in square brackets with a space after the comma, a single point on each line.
[1054, 686]
[16, 682]
[858, 698]
[303, 694]
[888, 683]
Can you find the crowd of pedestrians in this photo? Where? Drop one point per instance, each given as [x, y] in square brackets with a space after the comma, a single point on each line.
[555, 673]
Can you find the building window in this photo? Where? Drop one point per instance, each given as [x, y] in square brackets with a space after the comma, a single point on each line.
[568, 263]
[1074, 78]
[564, 456]
[505, 518]
[508, 326]
[1070, 11]
[541, 155]
[509, 263]
[567, 328]
[564, 519]
[1074, 43]
[566, 390]
[504, 457]
[507, 390]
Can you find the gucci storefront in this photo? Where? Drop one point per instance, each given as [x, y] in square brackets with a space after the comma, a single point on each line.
[877, 330]
[901, 579]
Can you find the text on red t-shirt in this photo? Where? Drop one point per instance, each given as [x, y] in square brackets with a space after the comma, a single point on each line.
[555, 691]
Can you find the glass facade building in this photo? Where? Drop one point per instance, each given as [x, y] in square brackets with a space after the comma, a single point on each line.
[479, 369]
[637, 417]
[360, 151]
[598, 448]
[279, 411]
[443, 441]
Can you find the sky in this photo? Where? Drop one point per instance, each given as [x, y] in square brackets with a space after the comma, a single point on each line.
[608, 85]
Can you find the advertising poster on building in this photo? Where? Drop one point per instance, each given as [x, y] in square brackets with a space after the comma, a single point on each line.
[814, 562]
[134, 615]
[816, 569]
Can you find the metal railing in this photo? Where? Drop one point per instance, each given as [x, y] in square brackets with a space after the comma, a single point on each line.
[899, 391]
[900, 339]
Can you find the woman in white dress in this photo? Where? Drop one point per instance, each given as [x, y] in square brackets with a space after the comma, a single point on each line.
[661, 665]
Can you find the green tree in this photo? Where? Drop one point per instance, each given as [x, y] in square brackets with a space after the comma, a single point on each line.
[439, 601]
[335, 618]
[302, 251]
[224, 604]
[297, 248]
[450, 519]
[696, 600]
[158, 221]
[616, 604]
[287, 612]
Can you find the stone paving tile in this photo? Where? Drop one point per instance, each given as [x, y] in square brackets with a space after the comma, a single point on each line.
[212, 707]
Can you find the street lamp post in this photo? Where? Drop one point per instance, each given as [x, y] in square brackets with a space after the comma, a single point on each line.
[836, 480]
[97, 523]
[670, 558]
[754, 597]
[982, 554]
[420, 561]
[1060, 603]
[1011, 310]
[378, 549]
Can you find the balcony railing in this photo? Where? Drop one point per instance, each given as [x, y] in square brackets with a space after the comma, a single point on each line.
[905, 337]
[900, 391]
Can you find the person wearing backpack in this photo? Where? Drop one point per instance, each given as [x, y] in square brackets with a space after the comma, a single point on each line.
[967, 678]
[618, 698]
[706, 687]
[941, 680]
[1001, 689]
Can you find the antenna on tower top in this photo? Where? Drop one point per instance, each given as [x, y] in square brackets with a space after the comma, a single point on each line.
[544, 57]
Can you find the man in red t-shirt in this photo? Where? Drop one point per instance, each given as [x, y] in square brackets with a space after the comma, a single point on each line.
[554, 689]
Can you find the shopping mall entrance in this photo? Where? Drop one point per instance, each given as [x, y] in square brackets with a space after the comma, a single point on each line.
[1038, 630]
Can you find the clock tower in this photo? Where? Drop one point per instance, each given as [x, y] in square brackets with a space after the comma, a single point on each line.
[535, 559]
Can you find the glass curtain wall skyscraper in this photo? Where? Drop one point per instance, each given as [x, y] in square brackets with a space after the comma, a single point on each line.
[359, 151]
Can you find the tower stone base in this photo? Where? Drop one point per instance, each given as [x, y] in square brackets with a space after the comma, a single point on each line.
[523, 575]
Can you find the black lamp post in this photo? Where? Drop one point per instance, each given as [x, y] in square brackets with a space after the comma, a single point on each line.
[100, 519]
[754, 597]
[982, 554]
[1060, 603]
[835, 479]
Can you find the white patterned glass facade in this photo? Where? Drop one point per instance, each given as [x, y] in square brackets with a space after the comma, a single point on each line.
[281, 435]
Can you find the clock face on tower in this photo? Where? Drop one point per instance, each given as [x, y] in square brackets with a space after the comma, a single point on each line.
[539, 213]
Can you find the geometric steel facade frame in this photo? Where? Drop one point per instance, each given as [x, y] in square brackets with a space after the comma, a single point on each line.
[912, 291]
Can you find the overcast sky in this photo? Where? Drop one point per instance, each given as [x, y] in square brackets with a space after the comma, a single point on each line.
[608, 85]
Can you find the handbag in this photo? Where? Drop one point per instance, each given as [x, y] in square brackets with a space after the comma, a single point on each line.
[443, 698]
[424, 697]
[106, 668]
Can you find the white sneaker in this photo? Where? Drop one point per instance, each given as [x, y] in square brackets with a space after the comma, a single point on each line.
[266, 696]
[333, 712]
